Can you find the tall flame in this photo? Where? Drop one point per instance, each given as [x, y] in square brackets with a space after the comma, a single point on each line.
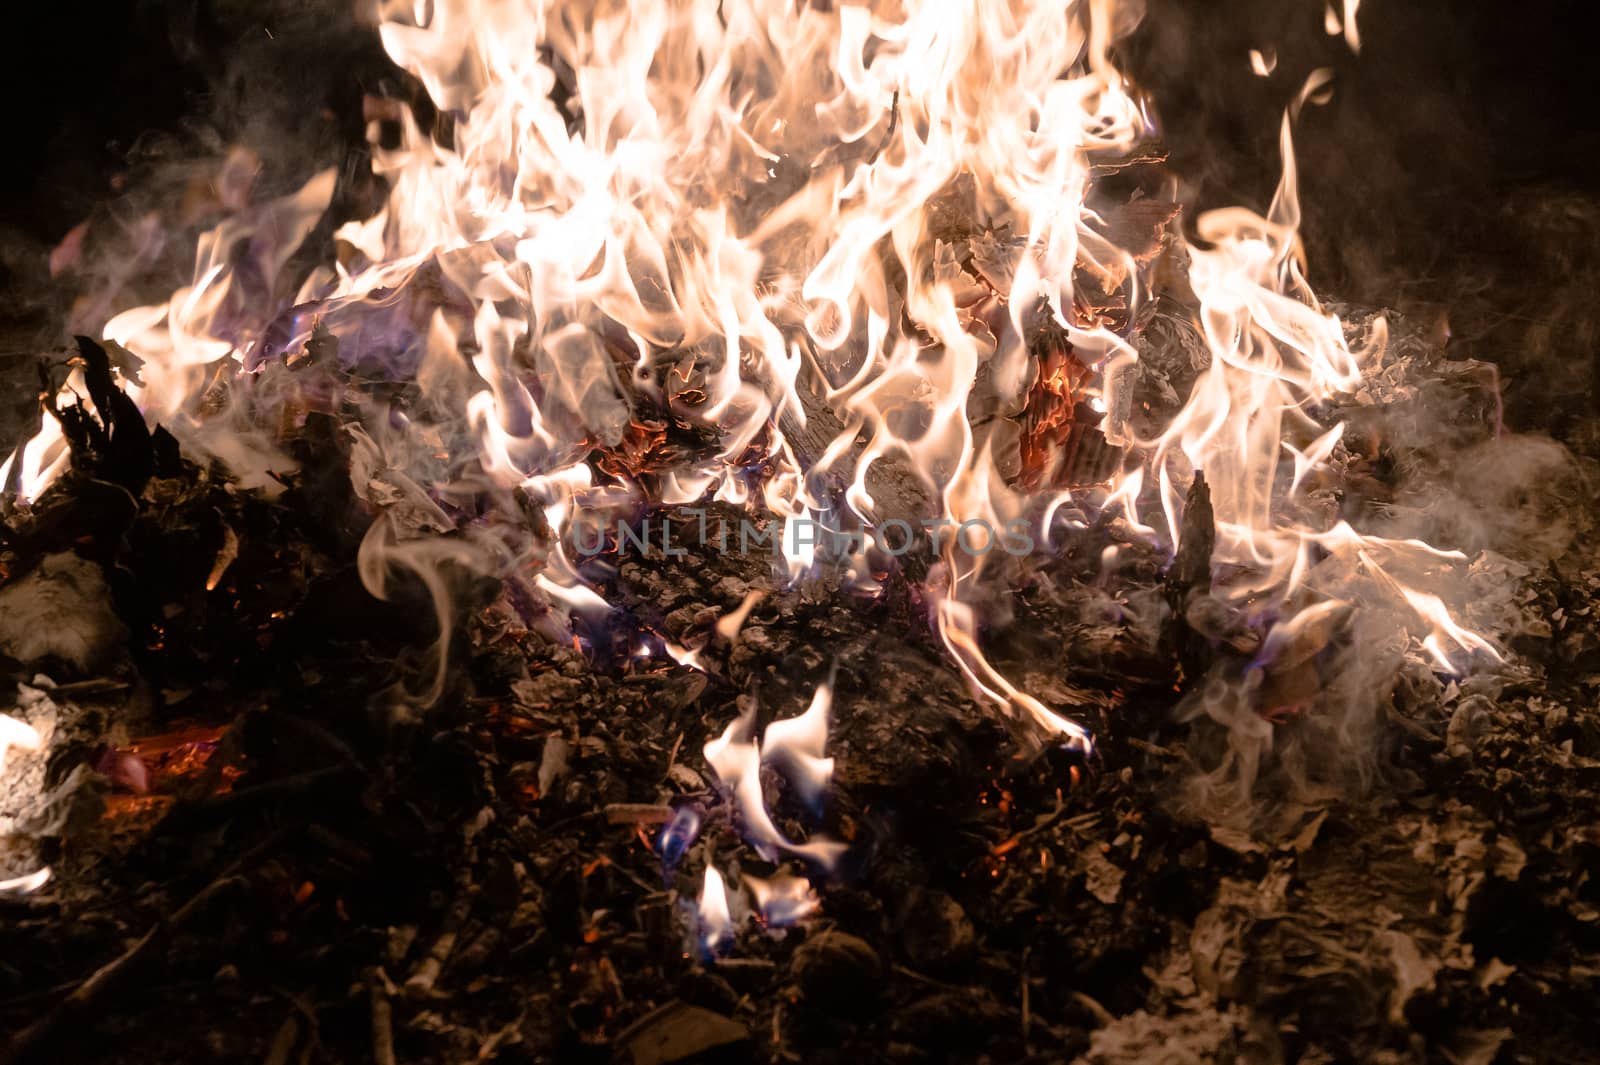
[733, 216]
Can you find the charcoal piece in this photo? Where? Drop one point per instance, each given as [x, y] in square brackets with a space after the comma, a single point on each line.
[165, 450]
[838, 971]
[958, 1017]
[937, 934]
[705, 989]
[680, 1033]
[1191, 569]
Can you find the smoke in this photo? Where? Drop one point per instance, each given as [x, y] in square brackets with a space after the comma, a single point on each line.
[1424, 456]
[428, 559]
[1435, 183]
[237, 104]
[1452, 175]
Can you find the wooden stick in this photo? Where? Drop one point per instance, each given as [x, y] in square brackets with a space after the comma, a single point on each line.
[283, 1042]
[420, 983]
[382, 1017]
[269, 793]
[1099, 1012]
[637, 813]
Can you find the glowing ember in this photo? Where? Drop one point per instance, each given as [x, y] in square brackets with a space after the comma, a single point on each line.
[157, 764]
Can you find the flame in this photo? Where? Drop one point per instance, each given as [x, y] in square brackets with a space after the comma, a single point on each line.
[38, 462]
[716, 921]
[1337, 22]
[794, 746]
[1276, 355]
[651, 248]
[736, 758]
[783, 900]
[18, 734]
[23, 885]
[729, 625]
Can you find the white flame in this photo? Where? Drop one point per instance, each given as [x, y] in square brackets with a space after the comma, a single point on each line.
[716, 920]
[23, 885]
[729, 625]
[735, 757]
[726, 216]
[42, 459]
[795, 746]
[783, 900]
[15, 733]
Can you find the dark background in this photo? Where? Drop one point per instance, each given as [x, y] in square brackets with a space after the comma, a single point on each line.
[1455, 172]
[1455, 175]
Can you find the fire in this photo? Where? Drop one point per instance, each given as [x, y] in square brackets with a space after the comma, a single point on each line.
[25, 884]
[780, 901]
[795, 749]
[37, 463]
[783, 900]
[716, 920]
[795, 745]
[650, 246]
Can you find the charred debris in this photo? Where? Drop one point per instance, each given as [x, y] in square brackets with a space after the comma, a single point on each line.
[263, 850]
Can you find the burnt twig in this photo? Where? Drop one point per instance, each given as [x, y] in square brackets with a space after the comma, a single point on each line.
[637, 813]
[221, 807]
[382, 1017]
[283, 1042]
[422, 979]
